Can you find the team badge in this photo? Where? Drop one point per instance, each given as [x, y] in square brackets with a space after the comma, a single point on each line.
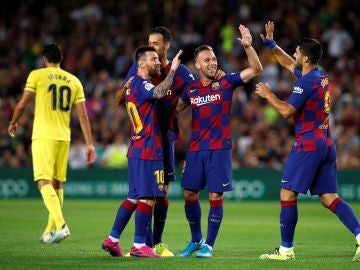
[149, 86]
[215, 86]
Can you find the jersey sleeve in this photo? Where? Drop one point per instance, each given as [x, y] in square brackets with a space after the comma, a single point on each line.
[299, 95]
[234, 79]
[186, 74]
[31, 82]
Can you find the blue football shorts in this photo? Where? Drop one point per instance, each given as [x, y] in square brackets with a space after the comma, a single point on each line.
[169, 160]
[314, 171]
[146, 178]
[211, 167]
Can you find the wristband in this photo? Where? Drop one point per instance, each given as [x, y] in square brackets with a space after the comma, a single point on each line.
[270, 43]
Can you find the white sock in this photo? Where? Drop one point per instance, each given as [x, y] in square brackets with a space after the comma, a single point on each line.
[113, 239]
[285, 249]
[137, 245]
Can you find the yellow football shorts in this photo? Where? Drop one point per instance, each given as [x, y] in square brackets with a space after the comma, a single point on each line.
[50, 159]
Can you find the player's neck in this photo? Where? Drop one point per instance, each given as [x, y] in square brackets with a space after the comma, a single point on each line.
[307, 68]
[164, 61]
[205, 80]
[143, 73]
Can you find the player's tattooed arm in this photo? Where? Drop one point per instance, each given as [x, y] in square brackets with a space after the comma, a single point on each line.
[165, 85]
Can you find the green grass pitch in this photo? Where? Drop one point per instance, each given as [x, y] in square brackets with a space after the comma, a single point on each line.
[248, 229]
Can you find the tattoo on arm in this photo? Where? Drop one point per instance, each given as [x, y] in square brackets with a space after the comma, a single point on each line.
[161, 89]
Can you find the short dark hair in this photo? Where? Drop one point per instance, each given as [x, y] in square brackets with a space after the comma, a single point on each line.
[140, 52]
[162, 30]
[311, 48]
[200, 49]
[52, 52]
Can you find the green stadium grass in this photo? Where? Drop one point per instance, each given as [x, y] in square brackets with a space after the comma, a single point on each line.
[248, 229]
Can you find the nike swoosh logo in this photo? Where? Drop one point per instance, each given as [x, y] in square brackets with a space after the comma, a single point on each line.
[170, 174]
[226, 184]
[284, 181]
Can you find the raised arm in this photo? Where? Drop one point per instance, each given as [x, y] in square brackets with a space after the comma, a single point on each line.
[255, 67]
[282, 57]
[165, 85]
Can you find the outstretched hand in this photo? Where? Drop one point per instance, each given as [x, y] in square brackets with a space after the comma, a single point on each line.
[176, 61]
[269, 28]
[246, 38]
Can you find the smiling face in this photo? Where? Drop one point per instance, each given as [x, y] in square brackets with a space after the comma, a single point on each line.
[206, 63]
[156, 41]
[150, 62]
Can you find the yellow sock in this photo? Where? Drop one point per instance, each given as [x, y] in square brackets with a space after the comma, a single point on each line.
[52, 203]
[51, 223]
[60, 194]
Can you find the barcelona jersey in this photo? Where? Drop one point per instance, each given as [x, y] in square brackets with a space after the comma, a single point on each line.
[311, 98]
[141, 108]
[210, 106]
[166, 105]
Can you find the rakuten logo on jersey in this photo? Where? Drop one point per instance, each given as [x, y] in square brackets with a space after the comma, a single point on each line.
[203, 100]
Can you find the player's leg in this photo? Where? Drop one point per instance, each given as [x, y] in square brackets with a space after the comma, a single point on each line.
[326, 187]
[162, 204]
[193, 181]
[60, 172]
[149, 182]
[219, 180]
[123, 215]
[43, 155]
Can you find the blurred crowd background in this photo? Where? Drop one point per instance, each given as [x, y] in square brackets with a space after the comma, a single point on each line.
[99, 38]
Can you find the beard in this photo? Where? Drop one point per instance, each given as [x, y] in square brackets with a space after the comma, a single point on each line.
[298, 66]
[154, 73]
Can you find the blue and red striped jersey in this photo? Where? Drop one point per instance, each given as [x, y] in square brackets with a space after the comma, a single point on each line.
[211, 106]
[142, 110]
[166, 105]
[311, 98]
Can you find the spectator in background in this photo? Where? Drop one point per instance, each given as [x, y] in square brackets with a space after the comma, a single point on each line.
[114, 156]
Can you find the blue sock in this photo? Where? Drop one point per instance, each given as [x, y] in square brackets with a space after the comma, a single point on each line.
[160, 213]
[288, 220]
[123, 216]
[193, 215]
[346, 215]
[216, 213]
[142, 222]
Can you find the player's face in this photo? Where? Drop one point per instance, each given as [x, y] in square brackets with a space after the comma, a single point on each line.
[157, 41]
[153, 64]
[298, 58]
[206, 63]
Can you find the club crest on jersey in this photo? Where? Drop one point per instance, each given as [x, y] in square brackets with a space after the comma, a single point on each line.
[215, 86]
[148, 86]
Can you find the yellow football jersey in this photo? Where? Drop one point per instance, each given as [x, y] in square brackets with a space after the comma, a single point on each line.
[56, 91]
